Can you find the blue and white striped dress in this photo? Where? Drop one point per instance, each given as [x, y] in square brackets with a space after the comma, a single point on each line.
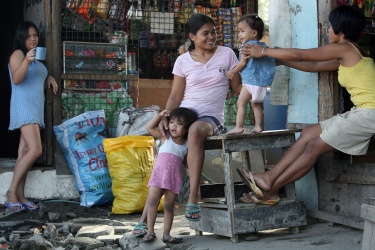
[27, 99]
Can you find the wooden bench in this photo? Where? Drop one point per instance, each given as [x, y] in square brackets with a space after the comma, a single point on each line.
[232, 218]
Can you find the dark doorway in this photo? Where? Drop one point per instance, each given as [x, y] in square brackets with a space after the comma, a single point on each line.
[14, 15]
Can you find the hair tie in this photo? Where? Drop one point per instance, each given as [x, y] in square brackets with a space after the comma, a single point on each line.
[256, 17]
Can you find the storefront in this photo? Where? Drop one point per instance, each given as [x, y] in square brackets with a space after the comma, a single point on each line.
[117, 54]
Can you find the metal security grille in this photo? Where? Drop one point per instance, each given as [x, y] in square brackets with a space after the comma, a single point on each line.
[107, 45]
[98, 58]
[163, 30]
[163, 35]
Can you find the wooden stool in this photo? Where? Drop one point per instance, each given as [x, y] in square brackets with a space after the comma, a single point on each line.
[229, 218]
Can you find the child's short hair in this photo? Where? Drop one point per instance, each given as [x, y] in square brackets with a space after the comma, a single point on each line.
[255, 22]
[188, 115]
[349, 20]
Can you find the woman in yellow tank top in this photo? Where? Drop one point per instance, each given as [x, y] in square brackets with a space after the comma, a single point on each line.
[356, 72]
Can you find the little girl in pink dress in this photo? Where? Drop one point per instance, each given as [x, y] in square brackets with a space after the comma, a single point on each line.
[166, 178]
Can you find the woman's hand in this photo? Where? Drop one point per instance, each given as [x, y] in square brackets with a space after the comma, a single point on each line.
[253, 51]
[280, 62]
[30, 56]
[51, 82]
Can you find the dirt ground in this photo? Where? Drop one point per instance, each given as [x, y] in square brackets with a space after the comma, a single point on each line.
[317, 235]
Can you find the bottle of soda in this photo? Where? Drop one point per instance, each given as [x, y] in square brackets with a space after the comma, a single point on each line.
[3, 246]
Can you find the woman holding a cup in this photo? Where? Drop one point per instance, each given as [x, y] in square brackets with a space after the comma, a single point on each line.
[28, 77]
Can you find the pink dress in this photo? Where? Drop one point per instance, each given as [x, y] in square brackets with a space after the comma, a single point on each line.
[168, 166]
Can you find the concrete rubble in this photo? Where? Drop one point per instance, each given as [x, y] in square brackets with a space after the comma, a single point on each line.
[65, 231]
[77, 234]
[65, 226]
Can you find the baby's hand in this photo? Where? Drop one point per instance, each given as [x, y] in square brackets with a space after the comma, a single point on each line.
[244, 59]
[230, 74]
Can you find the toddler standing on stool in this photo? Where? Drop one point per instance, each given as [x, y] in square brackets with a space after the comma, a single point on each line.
[256, 74]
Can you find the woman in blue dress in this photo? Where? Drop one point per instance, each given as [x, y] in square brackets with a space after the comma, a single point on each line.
[28, 77]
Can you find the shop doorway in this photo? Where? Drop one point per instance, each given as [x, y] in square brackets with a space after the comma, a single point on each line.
[9, 139]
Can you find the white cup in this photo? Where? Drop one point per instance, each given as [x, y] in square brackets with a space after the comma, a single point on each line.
[40, 53]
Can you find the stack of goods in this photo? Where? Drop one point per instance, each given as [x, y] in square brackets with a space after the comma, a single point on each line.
[366, 5]
[226, 24]
[236, 15]
[212, 12]
[186, 11]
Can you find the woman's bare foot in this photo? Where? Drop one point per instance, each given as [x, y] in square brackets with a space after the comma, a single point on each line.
[11, 198]
[236, 130]
[259, 179]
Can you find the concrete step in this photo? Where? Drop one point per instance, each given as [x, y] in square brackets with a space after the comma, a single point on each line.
[41, 183]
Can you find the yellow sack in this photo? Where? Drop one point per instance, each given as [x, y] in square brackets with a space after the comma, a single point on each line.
[130, 163]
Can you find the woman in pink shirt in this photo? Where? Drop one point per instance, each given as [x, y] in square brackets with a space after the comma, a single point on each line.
[200, 83]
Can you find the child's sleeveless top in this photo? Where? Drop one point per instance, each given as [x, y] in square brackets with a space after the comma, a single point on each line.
[27, 99]
[167, 170]
[359, 81]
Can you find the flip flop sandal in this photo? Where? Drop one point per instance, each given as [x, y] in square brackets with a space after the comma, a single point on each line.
[246, 198]
[30, 206]
[250, 183]
[252, 198]
[149, 238]
[173, 240]
[142, 228]
[192, 209]
[14, 207]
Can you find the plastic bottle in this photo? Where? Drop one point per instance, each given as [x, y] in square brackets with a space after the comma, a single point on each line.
[131, 62]
[3, 246]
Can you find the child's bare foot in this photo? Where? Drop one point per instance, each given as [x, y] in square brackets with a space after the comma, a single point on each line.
[236, 130]
[255, 129]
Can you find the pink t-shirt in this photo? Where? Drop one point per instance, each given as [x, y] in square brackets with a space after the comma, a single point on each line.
[206, 84]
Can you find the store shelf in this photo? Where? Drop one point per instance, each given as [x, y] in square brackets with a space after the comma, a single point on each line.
[90, 76]
[94, 58]
[88, 90]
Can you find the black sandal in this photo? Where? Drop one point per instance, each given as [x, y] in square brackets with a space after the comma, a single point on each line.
[148, 237]
[173, 240]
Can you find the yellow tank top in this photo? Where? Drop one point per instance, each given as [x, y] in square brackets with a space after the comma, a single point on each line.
[359, 81]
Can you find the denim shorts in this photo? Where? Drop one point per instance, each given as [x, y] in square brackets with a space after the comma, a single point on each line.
[217, 127]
